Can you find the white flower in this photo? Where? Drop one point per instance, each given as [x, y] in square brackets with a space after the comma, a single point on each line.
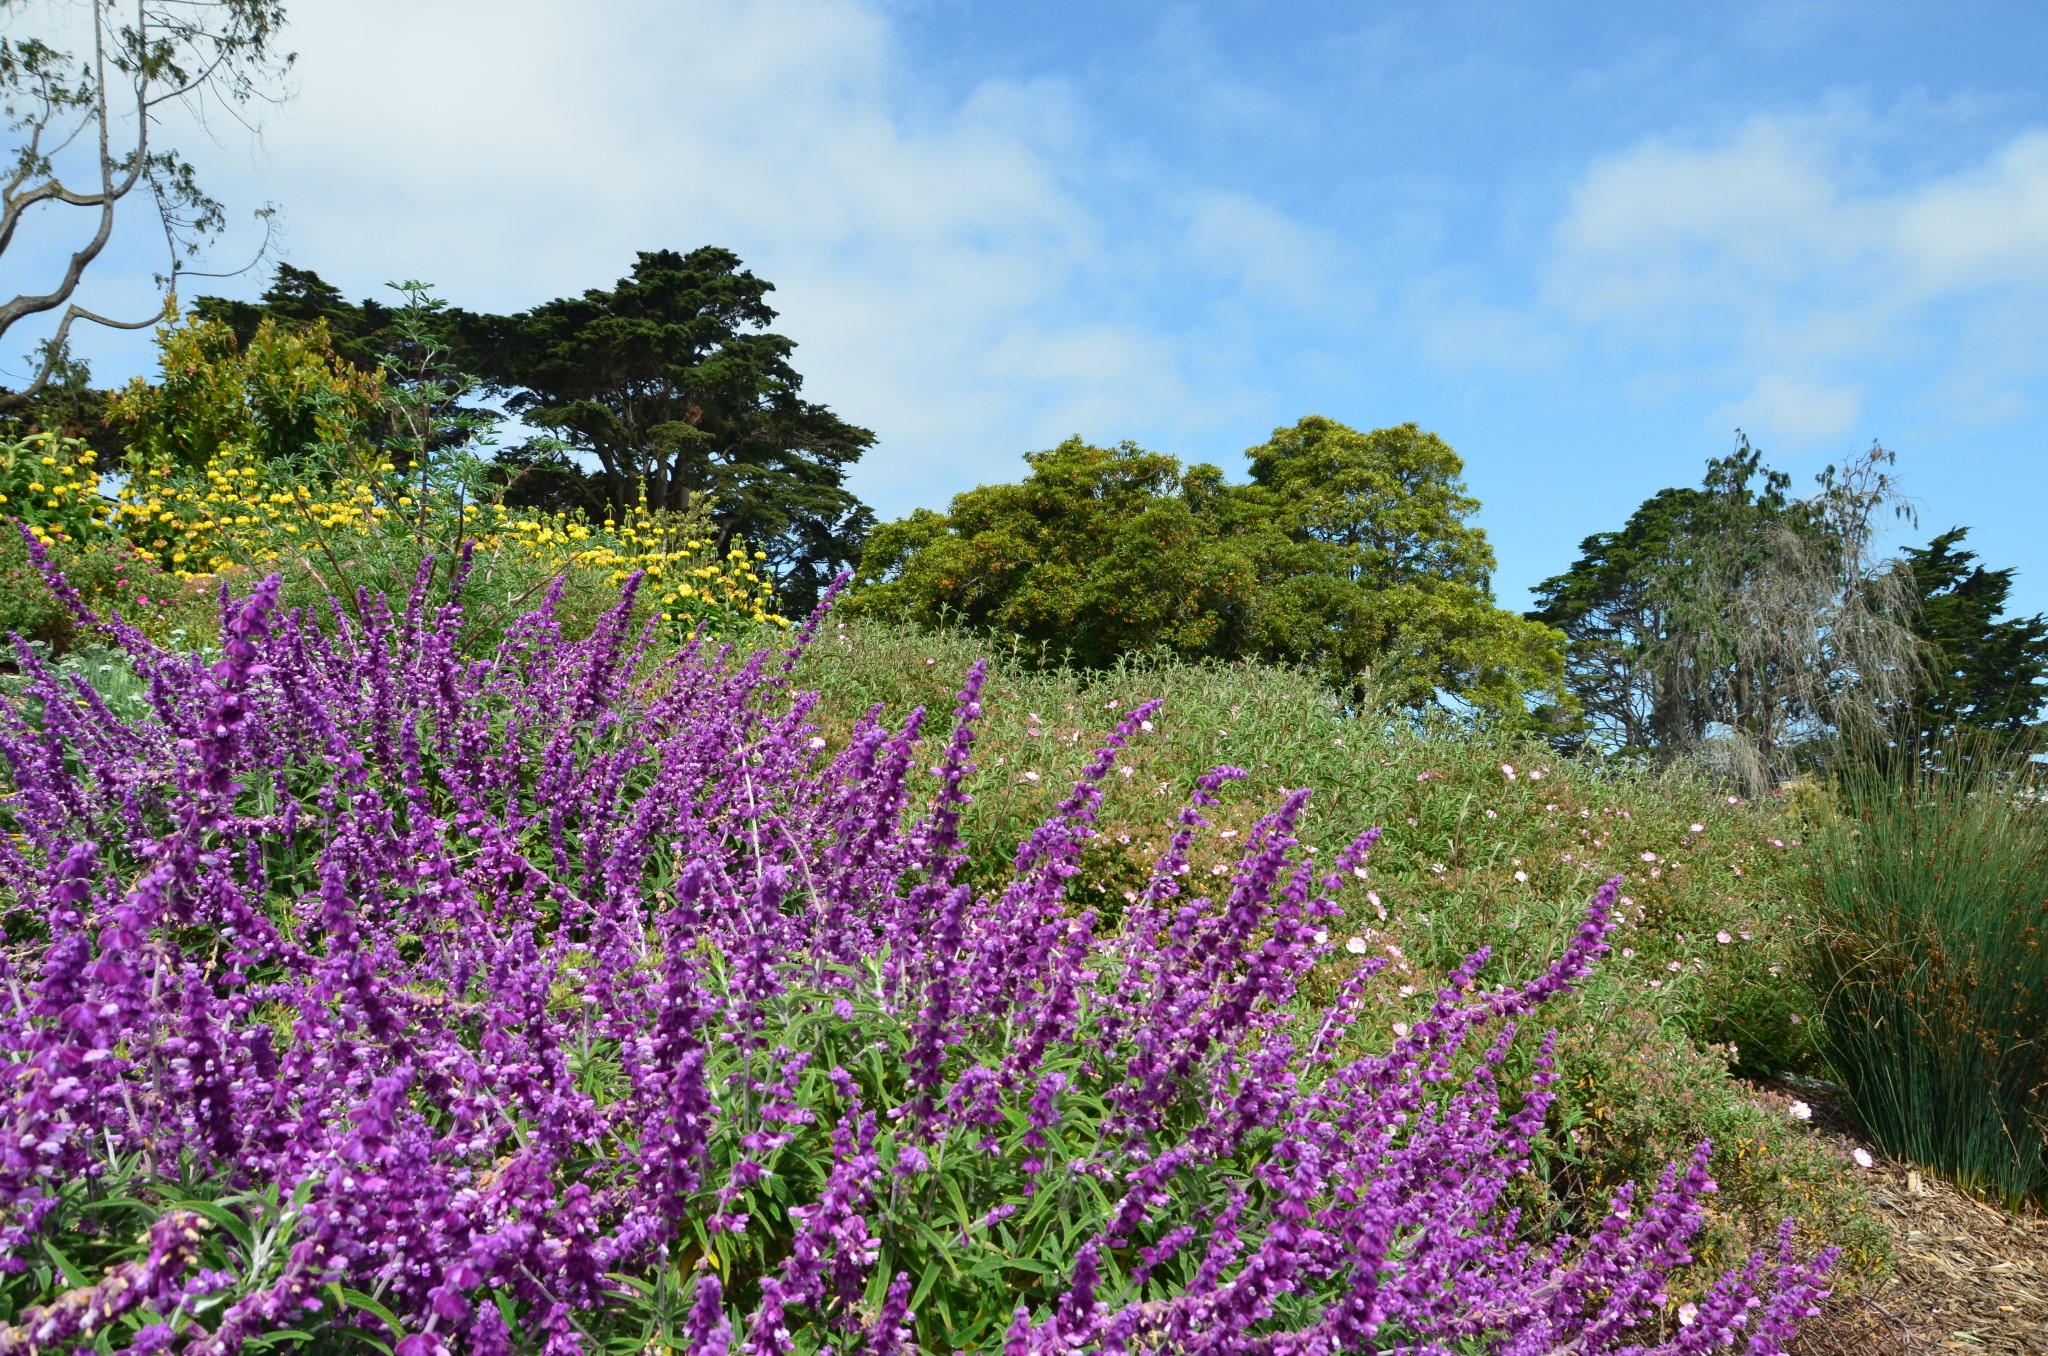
[815, 742]
[1125, 771]
[1800, 1111]
[1649, 856]
[1146, 726]
[1735, 800]
[1699, 828]
[1507, 770]
[1863, 1158]
[1322, 935]
[1356, 946]
[1031, 776]
[1521, 875]
[1491, 815]
[1361, 873]
[1536, 775]
[1400, 1028]
[1688, 1314]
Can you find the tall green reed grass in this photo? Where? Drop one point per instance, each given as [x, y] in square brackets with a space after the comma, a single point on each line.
[1929, 969]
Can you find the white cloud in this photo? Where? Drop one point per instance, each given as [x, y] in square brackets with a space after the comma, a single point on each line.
[1792, 410]
[1780, 262]
[957, 270]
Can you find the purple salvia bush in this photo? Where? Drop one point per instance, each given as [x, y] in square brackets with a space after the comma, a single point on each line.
[565, 996]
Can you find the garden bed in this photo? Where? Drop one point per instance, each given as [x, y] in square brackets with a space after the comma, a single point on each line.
[1968, 1276]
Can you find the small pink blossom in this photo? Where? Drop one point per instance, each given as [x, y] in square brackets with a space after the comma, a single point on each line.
[1649, 856]
[1723, 938]
[1863, 1158]
[1507, 770]
[1699, 828]
[1800, 1111]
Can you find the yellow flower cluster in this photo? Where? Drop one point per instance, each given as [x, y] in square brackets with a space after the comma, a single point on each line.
[240, 511]
[683, 569]
[47, 482]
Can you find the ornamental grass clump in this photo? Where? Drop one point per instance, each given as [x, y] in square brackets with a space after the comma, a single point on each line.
[363, 992]
[1929, 963]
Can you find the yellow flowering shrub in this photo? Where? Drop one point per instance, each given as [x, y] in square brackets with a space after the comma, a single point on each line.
[264, 457]
[48, 484]
[240, 511]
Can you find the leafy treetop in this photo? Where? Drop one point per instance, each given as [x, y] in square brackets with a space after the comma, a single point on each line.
[1349, 553]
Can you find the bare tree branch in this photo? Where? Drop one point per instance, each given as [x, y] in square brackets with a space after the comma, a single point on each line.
[145, 54]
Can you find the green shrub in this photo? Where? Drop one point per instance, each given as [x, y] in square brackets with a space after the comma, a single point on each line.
[110, 577]
[1652, 1046]
[1927, 965]
[1632, 1088]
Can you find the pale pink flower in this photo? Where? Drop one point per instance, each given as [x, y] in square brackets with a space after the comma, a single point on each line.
[1356, 946]
[1507, 770]
[1521, 875]
[1723, 938]
[1800, 1111]
[1649, 856]
[1699, 828]
[1863, 1158]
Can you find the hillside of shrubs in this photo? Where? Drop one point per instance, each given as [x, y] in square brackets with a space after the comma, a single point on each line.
[441, 923]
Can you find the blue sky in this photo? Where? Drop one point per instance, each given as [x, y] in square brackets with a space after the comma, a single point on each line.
[1583, 242]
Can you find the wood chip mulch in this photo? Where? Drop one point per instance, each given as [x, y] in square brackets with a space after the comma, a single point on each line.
[1970, 1277]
